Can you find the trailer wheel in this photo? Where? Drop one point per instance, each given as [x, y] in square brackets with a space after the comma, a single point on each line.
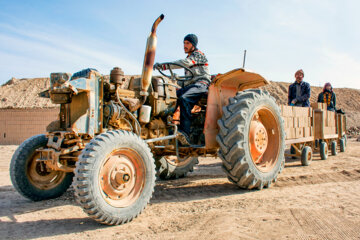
[252, 139]
[324, 151]
[306, 156]
[168, 167]
[33, 179]
[115, 177]
[333, 148]
[342, 145]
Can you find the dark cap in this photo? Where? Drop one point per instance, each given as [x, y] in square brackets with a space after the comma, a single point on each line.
[192, 38]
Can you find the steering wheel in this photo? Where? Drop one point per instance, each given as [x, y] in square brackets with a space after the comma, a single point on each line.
[173, 75]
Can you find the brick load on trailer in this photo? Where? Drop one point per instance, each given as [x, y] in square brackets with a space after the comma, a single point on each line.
[313, 129]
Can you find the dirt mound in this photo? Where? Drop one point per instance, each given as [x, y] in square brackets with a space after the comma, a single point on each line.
[23, 93]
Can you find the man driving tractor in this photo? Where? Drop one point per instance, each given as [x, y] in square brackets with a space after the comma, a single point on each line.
[192, 90]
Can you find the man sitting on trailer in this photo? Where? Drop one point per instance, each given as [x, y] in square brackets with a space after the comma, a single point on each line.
[191, 91]
[299, 91]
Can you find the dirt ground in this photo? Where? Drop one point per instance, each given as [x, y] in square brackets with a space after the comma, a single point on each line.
[321, 201]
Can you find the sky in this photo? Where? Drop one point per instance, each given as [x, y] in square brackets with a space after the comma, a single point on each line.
[280, 36]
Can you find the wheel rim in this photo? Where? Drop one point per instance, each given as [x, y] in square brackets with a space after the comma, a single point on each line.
[42, 177]
[326, 150]
[122, 177]
[309, 156]
[264, 139]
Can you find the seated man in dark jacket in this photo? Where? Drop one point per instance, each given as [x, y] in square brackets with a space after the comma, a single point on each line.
[299, 91]
[328, 96]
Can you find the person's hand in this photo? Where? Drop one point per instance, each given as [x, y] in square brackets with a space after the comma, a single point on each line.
[158, 66]
[293, 101]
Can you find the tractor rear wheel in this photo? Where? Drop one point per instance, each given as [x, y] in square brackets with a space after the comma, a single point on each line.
[252, 139]
[31, 178]
[169, 167]
[115, 177]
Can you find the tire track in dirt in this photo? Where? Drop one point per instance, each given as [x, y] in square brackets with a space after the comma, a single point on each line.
[321, 224]
[326, 177]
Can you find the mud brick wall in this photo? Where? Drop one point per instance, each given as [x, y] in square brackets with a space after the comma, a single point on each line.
[16, 125]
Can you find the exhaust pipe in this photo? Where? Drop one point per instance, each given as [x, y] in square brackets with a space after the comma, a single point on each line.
[149, 58]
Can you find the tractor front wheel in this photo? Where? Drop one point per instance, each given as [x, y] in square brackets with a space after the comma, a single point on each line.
[32, 178]
[252, 139]
[115, 177]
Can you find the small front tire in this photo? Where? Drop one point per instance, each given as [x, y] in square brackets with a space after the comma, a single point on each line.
[31, 178]
[115, 177]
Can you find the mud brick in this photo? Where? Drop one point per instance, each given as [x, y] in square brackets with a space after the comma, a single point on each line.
[290, 121]
[286, 111]
[317, 105]
[299, 132]
[20, 124]
[307, 131]
[290, 133]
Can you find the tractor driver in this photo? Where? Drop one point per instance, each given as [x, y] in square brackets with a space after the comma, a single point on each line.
[192, 90]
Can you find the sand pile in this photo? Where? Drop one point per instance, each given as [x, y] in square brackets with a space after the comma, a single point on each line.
[23, 93]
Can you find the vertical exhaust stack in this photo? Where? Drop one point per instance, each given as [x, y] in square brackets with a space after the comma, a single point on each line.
[149, 58]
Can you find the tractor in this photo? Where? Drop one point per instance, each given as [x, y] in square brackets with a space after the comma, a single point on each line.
[113, 138]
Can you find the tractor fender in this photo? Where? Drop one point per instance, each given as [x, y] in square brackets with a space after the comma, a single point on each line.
[223, 87]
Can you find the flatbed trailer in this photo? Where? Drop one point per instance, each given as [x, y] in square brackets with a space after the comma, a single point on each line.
[313, 129]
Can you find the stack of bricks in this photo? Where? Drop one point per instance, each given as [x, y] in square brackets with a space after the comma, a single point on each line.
[297, 121]
[329, 121]
[16, 125]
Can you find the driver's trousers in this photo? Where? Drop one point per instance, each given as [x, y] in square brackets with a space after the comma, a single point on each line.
[188, 96]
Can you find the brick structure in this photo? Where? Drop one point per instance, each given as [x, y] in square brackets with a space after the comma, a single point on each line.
[16, 125]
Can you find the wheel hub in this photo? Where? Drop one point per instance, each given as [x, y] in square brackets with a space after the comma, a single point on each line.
[121, 178]
[258, 139]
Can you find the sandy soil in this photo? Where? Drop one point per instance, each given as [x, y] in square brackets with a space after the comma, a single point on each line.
[321, 201]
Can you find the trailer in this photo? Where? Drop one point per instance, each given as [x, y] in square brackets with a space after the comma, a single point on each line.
[312, 130]
[300, 132]
[330, 130]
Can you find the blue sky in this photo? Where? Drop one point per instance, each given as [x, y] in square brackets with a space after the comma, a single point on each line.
[280, 36]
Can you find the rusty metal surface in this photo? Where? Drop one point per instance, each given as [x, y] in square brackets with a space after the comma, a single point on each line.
[116, 75]
[41, 176]
[218, 97]
[122, 177]
[149, 57]
[240, 79]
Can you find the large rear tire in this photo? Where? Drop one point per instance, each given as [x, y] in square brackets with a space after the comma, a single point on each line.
[115, 177]
[168, 167]
[252, 139]
[32, 178]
